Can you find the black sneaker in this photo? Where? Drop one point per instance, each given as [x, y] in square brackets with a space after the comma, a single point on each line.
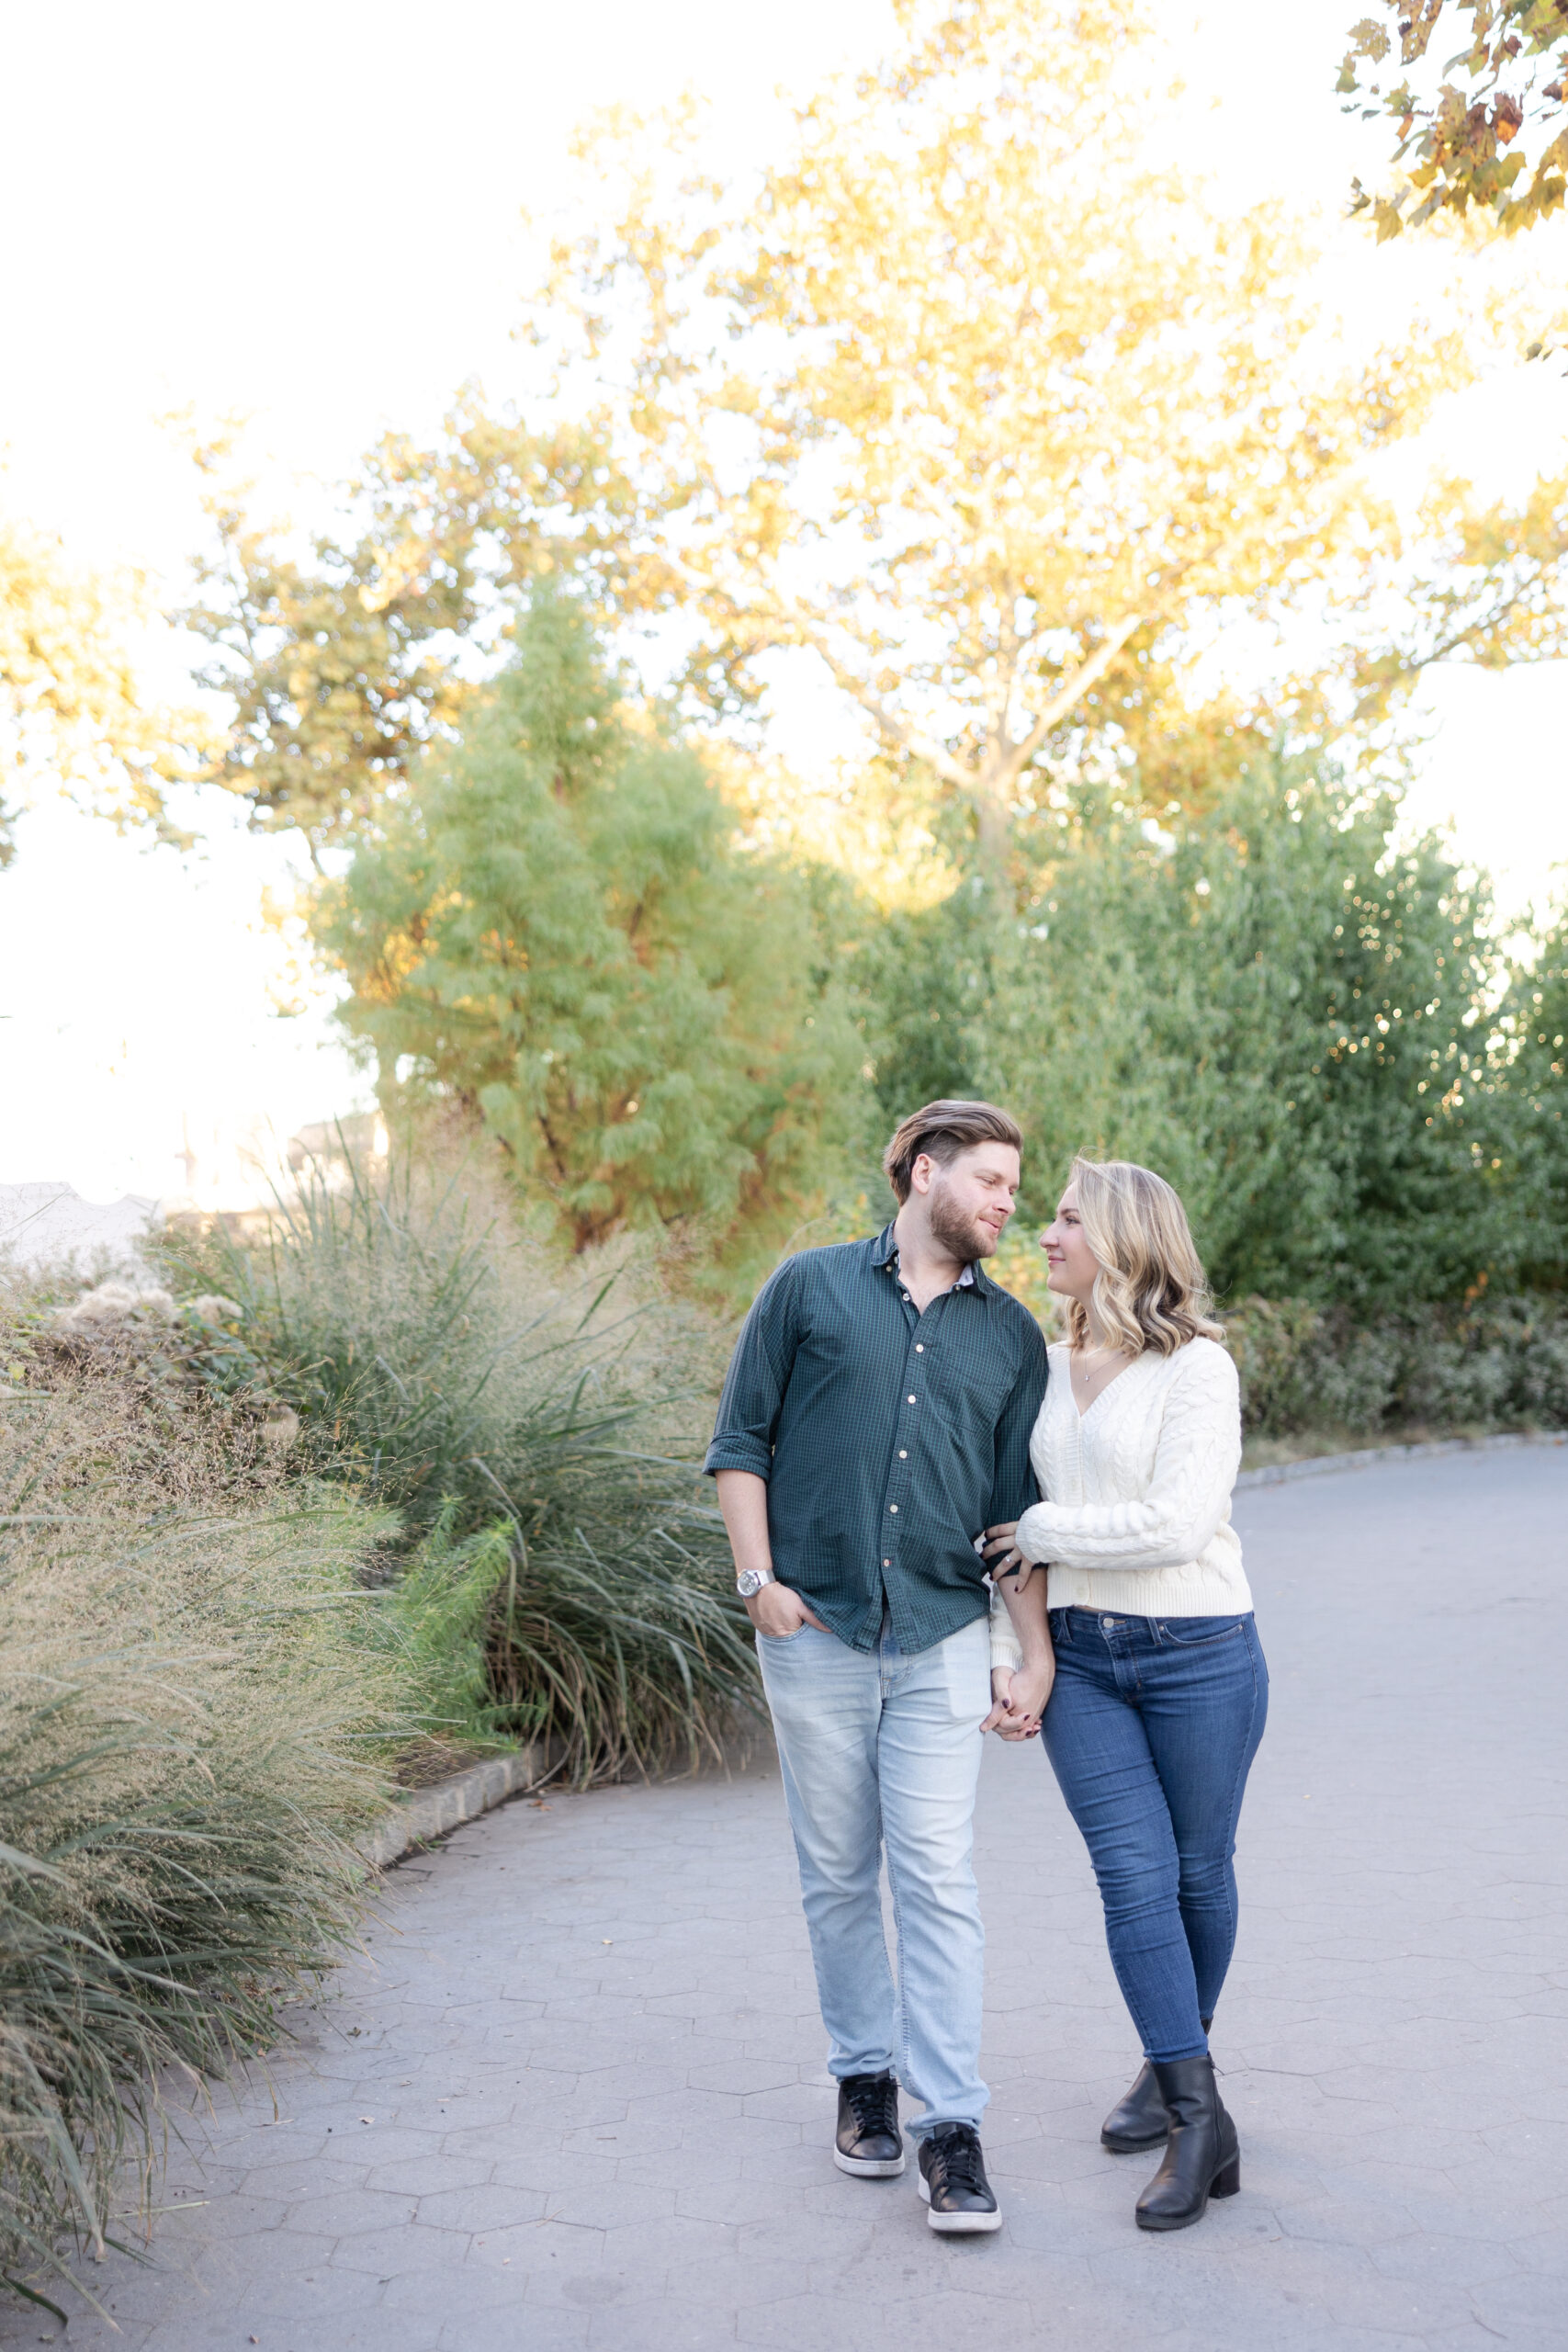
[868, 2140]
[954, 2183]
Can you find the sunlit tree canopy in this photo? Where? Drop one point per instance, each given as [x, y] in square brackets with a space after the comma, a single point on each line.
[1005, 436]
[73, 714]
[973, 399]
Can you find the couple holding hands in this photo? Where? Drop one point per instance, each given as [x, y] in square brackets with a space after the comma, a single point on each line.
[941, 1527]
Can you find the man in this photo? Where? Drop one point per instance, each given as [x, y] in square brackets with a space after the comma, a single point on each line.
[875, 1419]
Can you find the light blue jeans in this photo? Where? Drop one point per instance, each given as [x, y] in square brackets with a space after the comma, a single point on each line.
[882, 1752]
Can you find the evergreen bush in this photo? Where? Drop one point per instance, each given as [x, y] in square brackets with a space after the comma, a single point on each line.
[1484, 1363]
[1267, 1001]
[558, 932]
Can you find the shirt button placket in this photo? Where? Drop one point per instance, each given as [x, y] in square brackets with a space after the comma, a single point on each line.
[899, 1477]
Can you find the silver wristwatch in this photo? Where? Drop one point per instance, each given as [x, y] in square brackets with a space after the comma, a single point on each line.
[751, 1580]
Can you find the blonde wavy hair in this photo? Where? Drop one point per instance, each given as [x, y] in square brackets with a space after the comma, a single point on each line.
[1151, 1291]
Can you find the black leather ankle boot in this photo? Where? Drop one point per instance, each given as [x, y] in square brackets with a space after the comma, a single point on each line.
[1140, 2120]
[1202, 2158]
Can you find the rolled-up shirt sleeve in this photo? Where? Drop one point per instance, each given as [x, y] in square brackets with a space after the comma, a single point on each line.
[758, 1373]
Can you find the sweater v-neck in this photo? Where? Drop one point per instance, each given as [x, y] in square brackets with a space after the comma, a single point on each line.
[1081, 1414]
[1083, 1411]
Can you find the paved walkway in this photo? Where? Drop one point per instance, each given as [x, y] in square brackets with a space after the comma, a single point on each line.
[575, 2098]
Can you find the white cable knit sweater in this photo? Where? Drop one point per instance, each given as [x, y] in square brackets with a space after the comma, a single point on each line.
[1138, 1488]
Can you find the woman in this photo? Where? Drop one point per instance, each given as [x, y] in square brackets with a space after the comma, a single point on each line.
[1160, 1688]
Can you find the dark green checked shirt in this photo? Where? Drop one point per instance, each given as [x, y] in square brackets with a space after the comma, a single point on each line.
[888, 1438]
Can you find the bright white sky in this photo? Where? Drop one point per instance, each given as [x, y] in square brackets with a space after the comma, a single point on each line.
[310, 214]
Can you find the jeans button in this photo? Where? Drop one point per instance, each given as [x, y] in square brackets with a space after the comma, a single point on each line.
[1109, 1623]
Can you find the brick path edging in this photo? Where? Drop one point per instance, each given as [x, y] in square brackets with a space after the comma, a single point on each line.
[430, 1813]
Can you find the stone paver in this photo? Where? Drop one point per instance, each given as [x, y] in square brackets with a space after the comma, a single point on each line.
[574, 2095]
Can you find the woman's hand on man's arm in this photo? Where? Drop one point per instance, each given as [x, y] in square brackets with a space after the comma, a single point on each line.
[1004, 1556]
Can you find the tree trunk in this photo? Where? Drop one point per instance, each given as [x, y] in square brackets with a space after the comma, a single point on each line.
[994, 833]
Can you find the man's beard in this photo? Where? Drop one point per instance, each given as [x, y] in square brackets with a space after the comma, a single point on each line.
[964, 1238]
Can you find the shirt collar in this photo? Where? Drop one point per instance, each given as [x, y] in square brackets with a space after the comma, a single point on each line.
[885, 1252]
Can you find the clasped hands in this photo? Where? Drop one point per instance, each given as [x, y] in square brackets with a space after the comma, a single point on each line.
[1018, 1693]
[1019, 1696]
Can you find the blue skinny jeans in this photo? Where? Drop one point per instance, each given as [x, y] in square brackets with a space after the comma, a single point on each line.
[1151, 1729]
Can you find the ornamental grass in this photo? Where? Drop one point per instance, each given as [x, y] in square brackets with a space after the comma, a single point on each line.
[538, 1425]
[194, 1722]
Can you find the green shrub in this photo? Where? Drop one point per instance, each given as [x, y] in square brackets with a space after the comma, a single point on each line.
[191, 1726]
[1499, 1364]
[617, 1658]
[1274, 1002]
[1503, 1361]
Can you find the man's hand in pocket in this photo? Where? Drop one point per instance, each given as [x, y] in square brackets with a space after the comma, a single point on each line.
[778, 1612]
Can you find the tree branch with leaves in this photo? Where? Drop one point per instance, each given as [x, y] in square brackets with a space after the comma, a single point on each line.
[1001, 423]
[1484, 132]
[346, 664]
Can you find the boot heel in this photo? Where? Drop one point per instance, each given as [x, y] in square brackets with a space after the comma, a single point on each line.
[1227, 2183]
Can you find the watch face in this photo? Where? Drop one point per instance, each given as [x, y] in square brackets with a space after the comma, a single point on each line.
[747, 1583]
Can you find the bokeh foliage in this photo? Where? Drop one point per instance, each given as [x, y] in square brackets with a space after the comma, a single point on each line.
[1010, 451]
[75, 716]
[995, 444]
[1300, 1015]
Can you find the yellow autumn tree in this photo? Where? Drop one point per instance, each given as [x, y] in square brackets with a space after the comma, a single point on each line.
[73, 715]
[992, 411]
[973, 399]
[345, 665]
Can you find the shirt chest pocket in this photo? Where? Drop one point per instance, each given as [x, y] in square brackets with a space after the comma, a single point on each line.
[967, 1387]
[866, 1348]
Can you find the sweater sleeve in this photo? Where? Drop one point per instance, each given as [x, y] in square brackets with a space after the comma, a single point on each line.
[1006, 1648]
[1196, 1461]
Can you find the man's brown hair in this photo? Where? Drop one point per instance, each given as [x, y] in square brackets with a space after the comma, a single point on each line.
[943, 1130]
